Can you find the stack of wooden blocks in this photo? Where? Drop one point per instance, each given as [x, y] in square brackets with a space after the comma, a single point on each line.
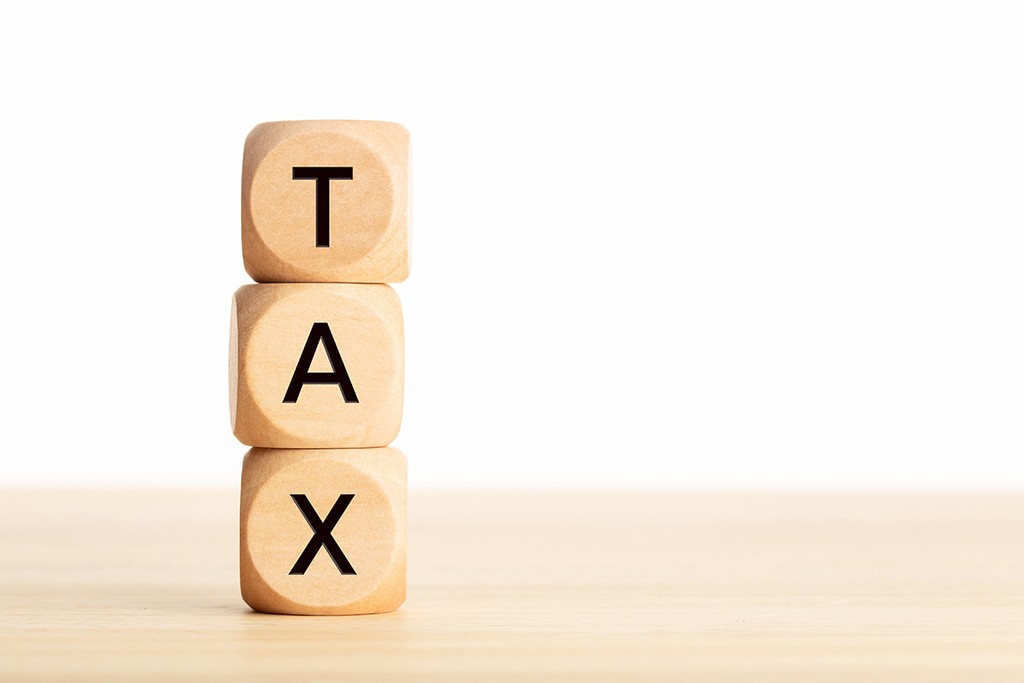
[317, 367]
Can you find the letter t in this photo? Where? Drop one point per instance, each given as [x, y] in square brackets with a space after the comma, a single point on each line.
[323, 176]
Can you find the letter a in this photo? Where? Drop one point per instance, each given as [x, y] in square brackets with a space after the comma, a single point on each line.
[338, 375]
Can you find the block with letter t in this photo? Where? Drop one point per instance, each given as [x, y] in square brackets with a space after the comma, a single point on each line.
[326, 201]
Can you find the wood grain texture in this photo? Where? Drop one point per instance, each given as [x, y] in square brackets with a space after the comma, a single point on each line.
[364, 572]
[272, 324]
[368, 238]
[123, 586]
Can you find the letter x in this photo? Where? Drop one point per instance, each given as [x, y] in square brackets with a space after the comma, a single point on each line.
[322, 534]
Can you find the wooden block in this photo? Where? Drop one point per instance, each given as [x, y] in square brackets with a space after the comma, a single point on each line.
[326, 201]
[323, 531]
[316, 365]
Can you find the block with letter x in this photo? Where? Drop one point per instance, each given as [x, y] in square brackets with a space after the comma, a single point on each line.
[323, 531]
[326, 201]
[316, 365]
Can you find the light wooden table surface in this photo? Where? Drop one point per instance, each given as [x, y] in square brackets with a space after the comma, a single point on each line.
[130, 586]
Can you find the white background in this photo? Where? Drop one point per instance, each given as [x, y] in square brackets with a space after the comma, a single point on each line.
[655, 244]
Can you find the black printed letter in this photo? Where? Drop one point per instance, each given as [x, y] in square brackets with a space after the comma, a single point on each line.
[322, 534]
[338, 375]
[323, 176]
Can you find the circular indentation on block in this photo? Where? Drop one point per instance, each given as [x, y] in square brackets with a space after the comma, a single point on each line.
[283, 209]
[370, 348]
[277, 533]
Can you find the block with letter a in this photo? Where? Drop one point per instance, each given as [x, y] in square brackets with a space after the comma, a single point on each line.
[316, 365]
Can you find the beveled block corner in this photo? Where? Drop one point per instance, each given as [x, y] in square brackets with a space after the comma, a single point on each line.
[316, 365]
[326, 201]
[323, 531]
